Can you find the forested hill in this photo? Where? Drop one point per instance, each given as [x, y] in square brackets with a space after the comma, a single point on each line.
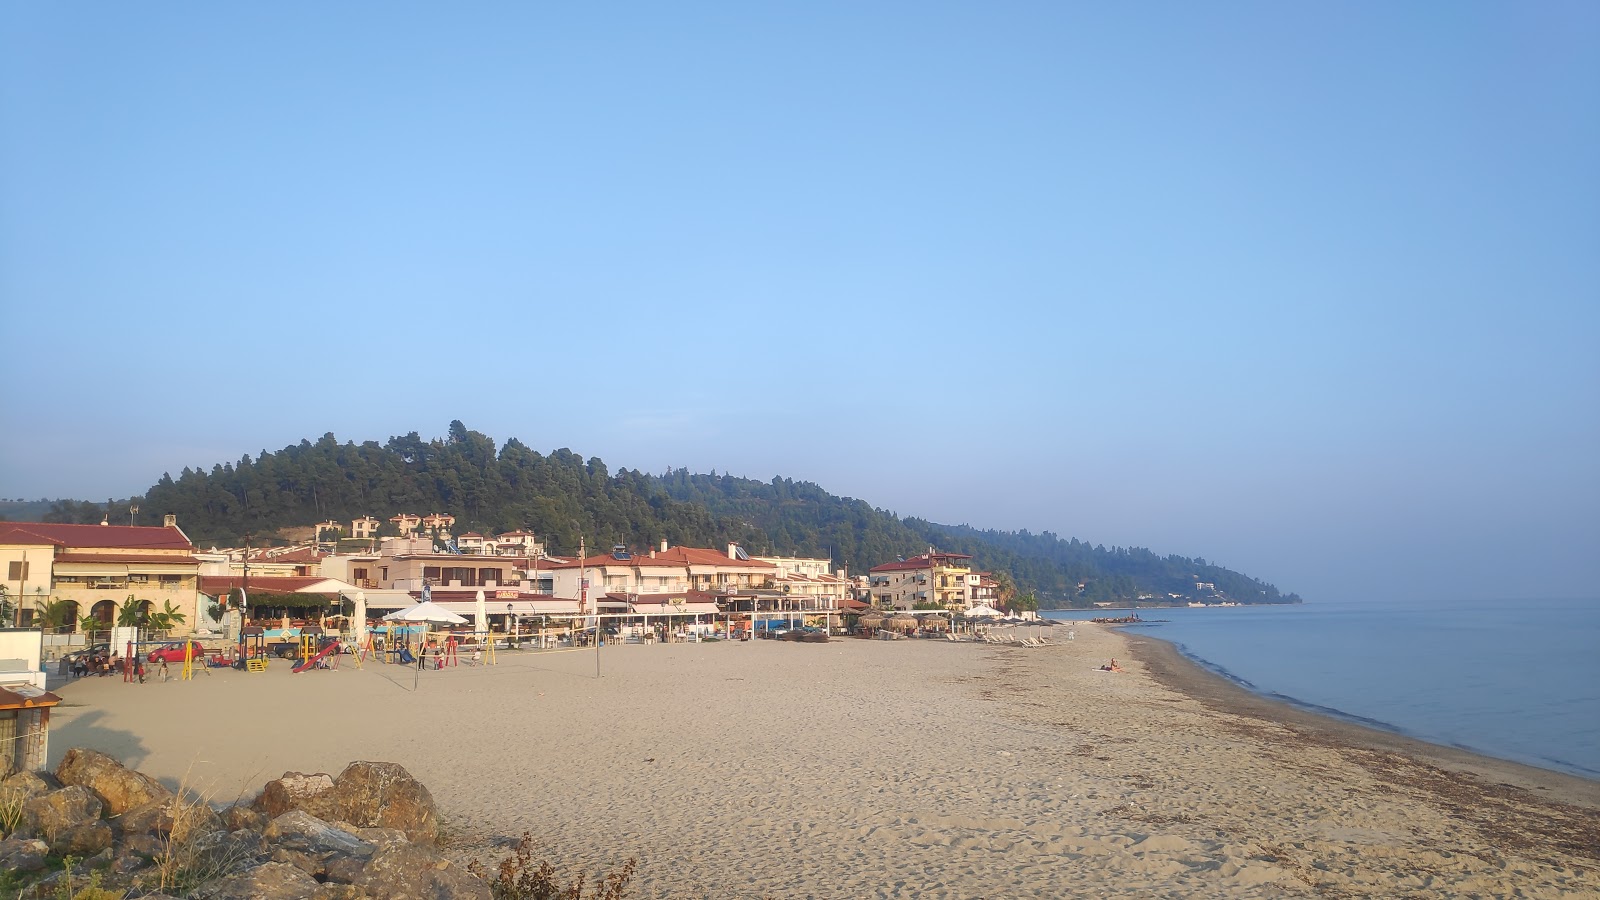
[800, 517]
[560, 495]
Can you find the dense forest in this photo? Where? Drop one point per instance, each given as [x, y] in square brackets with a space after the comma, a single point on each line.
[560, 496]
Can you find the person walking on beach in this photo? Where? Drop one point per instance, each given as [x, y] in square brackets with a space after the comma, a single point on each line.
[422, 655]
[163, 669]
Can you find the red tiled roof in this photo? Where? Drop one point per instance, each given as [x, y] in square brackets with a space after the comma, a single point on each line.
[130, 536]
[276, 584]
[920, 562]
[127, 558]
[676, 557]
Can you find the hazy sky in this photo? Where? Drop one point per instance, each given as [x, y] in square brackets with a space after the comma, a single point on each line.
[1313, 292]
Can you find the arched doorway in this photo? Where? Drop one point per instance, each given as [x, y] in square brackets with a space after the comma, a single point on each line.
[105, 612]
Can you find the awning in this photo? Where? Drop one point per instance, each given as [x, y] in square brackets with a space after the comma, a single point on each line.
[518, 607]
[377, 600]
[105, 570]
[669, 609]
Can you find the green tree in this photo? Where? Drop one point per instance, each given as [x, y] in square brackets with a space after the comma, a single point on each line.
[167, 618]
[54, 614]
[131, 615]
[89, 624]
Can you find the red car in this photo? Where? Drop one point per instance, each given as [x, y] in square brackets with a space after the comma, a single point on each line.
[173, 653]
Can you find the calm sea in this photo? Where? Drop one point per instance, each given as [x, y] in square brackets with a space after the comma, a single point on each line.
[1518, 680]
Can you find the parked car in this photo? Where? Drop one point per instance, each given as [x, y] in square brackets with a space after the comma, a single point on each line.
[173, 653]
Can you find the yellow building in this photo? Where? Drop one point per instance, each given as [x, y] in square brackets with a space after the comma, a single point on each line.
[932, 579]
[96, 570]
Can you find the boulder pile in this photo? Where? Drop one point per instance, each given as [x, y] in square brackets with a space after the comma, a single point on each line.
[371, 832]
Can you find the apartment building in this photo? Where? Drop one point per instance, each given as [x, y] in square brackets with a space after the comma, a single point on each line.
[97, 570]
[938, 579]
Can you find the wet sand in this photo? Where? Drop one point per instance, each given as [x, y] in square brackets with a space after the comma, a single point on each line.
[886, 769]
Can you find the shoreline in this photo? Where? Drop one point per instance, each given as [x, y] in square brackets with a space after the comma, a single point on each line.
[1171, 668]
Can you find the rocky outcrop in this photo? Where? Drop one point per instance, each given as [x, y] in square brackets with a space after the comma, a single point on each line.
[118, 787]
[297, 790]
[268, 881]
[366, 794]
[48, 815]
[419, 872]
[23, 854]
[172, 817]
[365, 835]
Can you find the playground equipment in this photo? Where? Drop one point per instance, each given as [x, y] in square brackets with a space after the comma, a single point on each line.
[310, 659]
[252, 648]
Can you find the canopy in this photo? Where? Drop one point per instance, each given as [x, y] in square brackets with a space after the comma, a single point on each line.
[359, 626]
[982, 611]
[426, 611]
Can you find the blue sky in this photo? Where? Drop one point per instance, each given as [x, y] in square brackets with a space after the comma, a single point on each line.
[1310, 291]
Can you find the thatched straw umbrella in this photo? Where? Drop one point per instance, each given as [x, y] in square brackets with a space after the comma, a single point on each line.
[901, 621]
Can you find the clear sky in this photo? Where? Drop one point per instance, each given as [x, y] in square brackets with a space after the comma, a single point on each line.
[1310, 290]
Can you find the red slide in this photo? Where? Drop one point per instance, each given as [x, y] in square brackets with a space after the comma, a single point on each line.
[333, 647]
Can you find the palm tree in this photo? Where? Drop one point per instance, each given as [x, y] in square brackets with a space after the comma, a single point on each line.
[131, 615]
[53, 614]
[89, 624]
[168, 617]
[1004, 588]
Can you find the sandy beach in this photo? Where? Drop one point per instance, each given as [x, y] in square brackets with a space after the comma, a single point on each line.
[884, 769]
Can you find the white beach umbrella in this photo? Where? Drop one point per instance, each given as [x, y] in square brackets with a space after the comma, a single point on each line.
[426, 612]
[480, 615]
[358, 629]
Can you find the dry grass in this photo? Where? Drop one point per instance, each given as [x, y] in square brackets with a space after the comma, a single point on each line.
[186, 858]
[520, 877]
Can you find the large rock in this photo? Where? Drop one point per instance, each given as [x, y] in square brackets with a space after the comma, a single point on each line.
[268, 881]
[82, 840]
[384, 795]
[27, 785]
[299, 830]
[179, 819]
[241, 817]
[297, 790]
[118, 787]
[366, 795]
[417, 872]
[51, 814]
[22, 855]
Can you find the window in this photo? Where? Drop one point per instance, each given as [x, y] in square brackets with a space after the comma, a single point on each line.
[430, 572]
[172, 579]
[487, 575]
[383, 572]
[359, 574]
[19, 570]
[138, 579]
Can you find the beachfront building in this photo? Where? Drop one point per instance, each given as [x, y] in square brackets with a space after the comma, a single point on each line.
[364, 528]
[57, 574]
[666, 570]
[809, 584]
[406, 524]
[407, 564]
[942, 580]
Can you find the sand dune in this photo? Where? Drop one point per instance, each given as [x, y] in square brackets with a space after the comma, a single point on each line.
[885, 769]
